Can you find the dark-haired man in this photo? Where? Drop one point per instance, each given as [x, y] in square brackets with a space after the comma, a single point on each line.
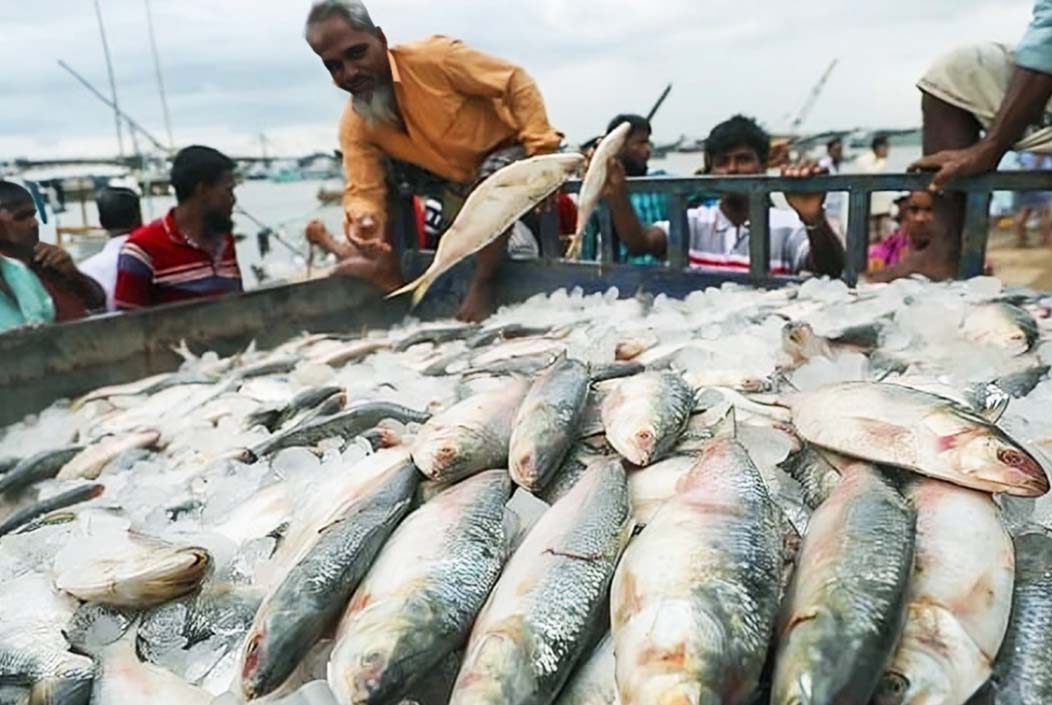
[74, 294]
[434, 118]
[189, 253]
[801, 239]
[650, 207]
[120, 214]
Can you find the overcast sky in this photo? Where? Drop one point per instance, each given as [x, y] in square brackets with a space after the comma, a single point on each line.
[238, 68]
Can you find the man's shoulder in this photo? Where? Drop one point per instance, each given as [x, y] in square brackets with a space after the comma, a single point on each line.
[149, 236]
[434, 46]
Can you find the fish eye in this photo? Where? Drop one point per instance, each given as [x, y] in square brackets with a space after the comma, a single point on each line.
[1012, 457]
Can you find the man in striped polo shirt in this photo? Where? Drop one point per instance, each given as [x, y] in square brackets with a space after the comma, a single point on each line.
[189, 253]
[801, 239]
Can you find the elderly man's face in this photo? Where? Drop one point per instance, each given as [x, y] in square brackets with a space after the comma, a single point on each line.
[19, 225]
[356, 60]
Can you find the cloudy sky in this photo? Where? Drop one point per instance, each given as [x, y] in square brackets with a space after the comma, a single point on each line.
[236, 69]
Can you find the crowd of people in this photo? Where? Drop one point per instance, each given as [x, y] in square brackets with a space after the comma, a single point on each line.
[434, 118]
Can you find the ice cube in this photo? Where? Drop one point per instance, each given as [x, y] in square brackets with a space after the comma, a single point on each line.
[983, 288]
[202, 658]
[296, 464]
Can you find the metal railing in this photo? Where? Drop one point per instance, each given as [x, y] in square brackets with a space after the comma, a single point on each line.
[859, 187]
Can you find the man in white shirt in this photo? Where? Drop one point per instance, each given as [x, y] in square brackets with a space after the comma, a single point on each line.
[836, 202]
[801, 239]
[875, 161]
[120, 214]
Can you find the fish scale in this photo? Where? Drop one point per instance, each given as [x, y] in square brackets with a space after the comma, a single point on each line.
[310, 598]
[847, 601]
[546, 606]
[695, 597]
[1021, 673]
[419, 600]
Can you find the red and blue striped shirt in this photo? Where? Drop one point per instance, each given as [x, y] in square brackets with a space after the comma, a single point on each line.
[160, 265]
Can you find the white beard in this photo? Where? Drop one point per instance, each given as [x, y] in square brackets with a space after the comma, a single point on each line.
[380, 108]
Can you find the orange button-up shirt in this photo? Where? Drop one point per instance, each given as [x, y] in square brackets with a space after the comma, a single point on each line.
[458, 106]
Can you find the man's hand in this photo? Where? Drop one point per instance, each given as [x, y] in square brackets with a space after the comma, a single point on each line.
[56, 259]
[364, 233]
[316, 232]
[958, 163]
[809, 206]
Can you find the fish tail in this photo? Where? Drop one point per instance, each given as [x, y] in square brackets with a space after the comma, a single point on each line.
[423, 284]
[61, 691]
[412, 286]
[574, 251]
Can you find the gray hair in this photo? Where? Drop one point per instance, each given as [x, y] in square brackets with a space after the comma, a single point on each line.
[353, 11]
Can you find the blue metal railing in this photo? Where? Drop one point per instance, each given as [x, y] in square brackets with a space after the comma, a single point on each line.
[859, 187]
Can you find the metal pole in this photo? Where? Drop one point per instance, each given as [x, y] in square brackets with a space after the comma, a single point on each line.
[121, 114]
[160, 76]
[113, 81]
[659, 103]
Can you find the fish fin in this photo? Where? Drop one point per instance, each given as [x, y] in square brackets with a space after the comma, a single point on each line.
[727, 427]
[60, 691]
[782, 377]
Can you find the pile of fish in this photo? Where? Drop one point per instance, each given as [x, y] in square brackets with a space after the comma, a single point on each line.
[806, 496]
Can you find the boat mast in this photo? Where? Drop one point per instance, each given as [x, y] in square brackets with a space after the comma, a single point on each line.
[113, 81]
[160, 76]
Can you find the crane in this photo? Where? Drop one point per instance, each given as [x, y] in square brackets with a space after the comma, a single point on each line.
[812, 99]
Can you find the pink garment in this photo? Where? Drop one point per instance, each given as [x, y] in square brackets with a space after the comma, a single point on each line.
[889, 251]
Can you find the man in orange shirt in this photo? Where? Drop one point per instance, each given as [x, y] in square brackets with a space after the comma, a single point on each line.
[432, 117]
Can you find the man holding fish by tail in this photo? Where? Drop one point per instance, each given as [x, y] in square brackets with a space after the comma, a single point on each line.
[433, 117]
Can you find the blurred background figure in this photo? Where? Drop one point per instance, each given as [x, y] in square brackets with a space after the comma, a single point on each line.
[1032, 204]
[120, 214]
[875, 161]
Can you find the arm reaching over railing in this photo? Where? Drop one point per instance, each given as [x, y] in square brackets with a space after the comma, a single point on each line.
[637, 239]
[827, 255]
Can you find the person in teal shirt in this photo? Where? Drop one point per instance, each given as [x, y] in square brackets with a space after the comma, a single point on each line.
[24, 301]
[650, 207]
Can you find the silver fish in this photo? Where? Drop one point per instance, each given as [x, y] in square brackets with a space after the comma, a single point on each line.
[355, 420]
[37, 468]
[309, 600]
[63, 500]
[546, 424]
[696, 595]
[1001, 325]
[651, 487]
[492, 209]
[645, 415]
[913, 430]
[802, 344]
[89, 463]
[593, 683]
[817, 477]
[577, 461]
[422, 594]
[959, 599]
[471, 436]
[33, 651]
[511, 331]
[1022, 675]
[595, 182]
[153, 573]
[847, 603]
[540, 617]
[435, 336]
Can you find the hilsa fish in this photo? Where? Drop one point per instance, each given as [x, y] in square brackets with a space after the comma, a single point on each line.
[492, 208]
